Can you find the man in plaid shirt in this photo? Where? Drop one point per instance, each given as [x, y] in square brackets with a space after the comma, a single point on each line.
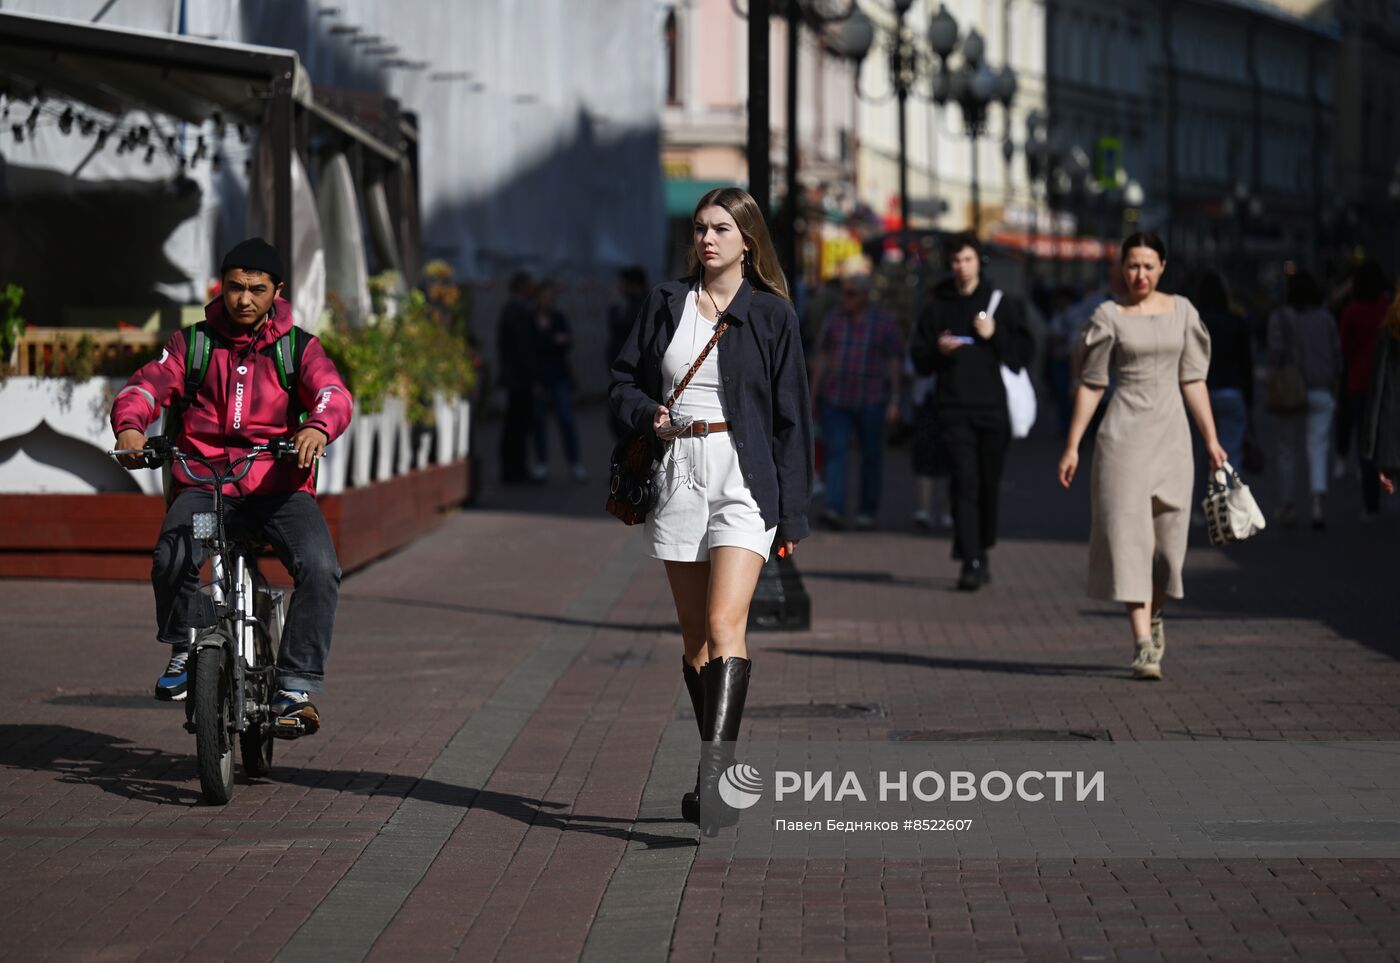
[856, 381]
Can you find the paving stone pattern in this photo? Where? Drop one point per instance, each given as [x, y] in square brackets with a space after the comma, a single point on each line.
[506, 739]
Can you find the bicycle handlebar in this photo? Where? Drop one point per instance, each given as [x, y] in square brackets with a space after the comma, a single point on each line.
[159, 451]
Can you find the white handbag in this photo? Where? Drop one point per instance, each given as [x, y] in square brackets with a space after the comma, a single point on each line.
[1020, 393]
[1232, 514]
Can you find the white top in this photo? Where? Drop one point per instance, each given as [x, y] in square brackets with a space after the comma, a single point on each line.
[702, 398]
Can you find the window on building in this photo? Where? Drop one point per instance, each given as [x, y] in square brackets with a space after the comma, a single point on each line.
[673, 72]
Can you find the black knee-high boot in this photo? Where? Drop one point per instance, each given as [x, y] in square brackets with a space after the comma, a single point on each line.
[726, 683]
[690, 802]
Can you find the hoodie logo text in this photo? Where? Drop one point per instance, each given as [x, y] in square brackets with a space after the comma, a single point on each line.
[238, 406]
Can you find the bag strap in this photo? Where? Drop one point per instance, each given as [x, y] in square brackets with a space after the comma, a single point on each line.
[199, 347]
[723, 327]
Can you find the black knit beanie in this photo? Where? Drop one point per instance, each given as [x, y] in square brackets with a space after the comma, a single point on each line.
[254, 254]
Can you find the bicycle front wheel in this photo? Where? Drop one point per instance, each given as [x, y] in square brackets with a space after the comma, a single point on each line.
[213, 736]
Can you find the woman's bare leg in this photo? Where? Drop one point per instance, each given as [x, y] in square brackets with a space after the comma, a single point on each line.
[733, 577]
[690, 587]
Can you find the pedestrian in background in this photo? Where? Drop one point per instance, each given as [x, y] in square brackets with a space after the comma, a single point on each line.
[1303, 335]
[856, 377]
[517, 358]
[1157, 349]
[1231, 377]
[1380, 424]
[622, 314]
[736, 472]
[965, 344]
[1359, 330]
[554, 340]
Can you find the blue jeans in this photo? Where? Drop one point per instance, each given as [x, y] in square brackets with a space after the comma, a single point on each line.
[297, 530]
[1231, 421]
[559, 398]
[868, 423]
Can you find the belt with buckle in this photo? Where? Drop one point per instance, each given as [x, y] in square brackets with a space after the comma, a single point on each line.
[699, 429]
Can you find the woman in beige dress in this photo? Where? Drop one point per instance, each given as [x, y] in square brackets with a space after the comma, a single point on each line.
[1158, 349]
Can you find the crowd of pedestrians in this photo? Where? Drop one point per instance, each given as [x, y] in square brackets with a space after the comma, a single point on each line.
[720, 386]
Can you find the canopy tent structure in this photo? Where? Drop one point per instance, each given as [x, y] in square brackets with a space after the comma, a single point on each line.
[121, 71]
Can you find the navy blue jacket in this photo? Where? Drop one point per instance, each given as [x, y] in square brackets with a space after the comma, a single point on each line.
[765, 393]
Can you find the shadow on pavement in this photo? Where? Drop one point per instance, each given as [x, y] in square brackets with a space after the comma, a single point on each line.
[939, 662]
[111, 763]
[534, 812]
[529, 616]
[114, 765]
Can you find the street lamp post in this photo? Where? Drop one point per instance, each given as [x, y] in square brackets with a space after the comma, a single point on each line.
[973, 87]
[760, 165]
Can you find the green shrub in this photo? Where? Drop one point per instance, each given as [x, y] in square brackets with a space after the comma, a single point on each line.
[412, 355]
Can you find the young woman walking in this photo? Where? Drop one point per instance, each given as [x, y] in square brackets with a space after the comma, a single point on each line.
[736, 473]
[1159, 351]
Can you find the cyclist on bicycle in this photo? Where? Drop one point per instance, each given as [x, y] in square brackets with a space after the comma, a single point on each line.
[226, 377]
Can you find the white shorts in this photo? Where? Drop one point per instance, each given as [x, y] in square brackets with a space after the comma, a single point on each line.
[704, 502]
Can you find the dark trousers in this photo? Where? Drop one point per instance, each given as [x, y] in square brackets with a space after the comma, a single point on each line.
[1355, 405]
[867, 423]
[558, 400]
[515, 434]
[298, 533]
[976, 440]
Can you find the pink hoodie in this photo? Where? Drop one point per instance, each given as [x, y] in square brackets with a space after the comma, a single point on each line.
[241, 403]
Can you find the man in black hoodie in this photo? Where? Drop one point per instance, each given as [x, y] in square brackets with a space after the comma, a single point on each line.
[964, 340]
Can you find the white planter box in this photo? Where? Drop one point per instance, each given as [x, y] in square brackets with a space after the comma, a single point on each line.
[54, 438]
[55, 434]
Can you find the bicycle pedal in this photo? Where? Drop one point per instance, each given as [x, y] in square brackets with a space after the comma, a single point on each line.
[289, 727]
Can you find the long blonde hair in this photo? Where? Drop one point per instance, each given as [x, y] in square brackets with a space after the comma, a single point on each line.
[760, 261]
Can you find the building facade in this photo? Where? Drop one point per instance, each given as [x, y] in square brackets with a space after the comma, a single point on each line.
[705, 85]
[1223, 110]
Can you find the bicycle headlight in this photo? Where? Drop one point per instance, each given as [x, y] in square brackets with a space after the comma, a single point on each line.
[205, 524]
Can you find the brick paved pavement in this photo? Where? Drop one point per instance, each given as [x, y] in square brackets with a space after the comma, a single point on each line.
[506, 740]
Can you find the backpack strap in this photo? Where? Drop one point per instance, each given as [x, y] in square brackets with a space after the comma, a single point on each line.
[198, 350]
[287, 353]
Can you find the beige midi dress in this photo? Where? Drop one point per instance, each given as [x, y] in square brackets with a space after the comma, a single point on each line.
[1143, 468]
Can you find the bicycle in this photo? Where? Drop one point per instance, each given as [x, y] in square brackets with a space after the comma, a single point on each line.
[232, 662]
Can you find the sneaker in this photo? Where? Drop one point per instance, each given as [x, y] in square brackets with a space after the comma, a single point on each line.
[1287, 515]
[946, 521]
[174, 682]
[539, 473]
[832, 520]
[923, 521]
[1147, 661]
[294, 714]
[864, 523]
[580, 473]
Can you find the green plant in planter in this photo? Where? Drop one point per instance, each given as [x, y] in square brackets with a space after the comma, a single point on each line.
[11, 324]
[412, 355]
